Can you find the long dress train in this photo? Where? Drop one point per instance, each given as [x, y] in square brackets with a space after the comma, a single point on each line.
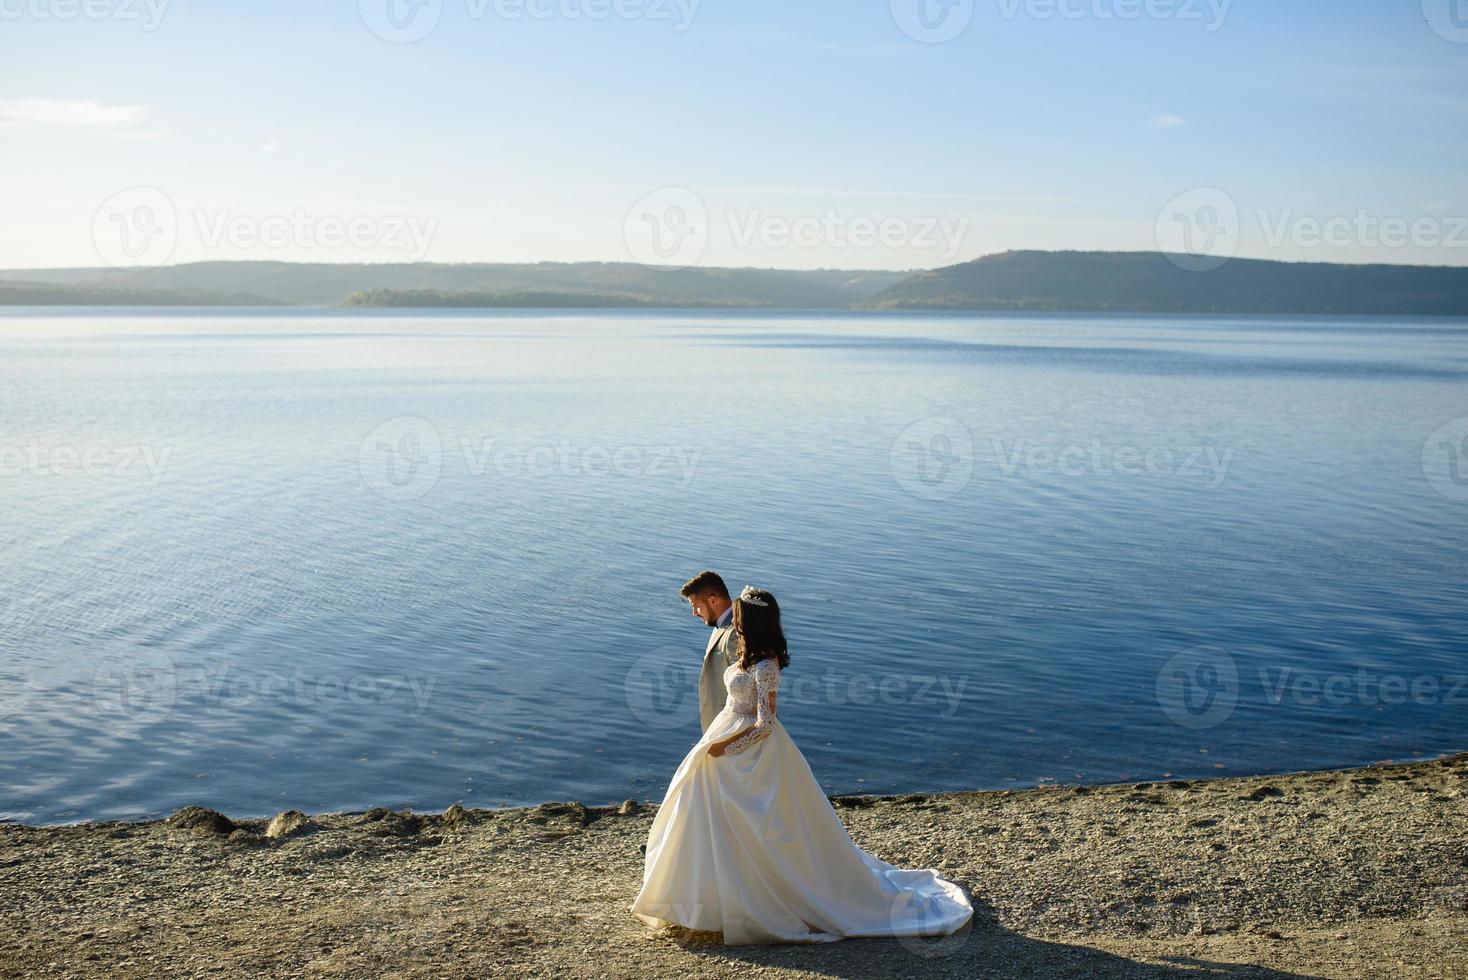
[748, 844]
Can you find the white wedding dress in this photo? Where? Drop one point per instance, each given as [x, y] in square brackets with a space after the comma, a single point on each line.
[747, 844]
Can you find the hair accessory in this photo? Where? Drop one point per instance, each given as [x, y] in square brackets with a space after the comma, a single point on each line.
[749, 595]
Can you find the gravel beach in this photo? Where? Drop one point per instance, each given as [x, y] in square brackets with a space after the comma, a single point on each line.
[1349, 873]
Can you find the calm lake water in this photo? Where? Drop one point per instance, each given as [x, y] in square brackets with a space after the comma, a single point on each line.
[340, 560]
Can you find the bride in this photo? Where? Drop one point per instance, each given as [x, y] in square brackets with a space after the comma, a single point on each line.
[746, 843]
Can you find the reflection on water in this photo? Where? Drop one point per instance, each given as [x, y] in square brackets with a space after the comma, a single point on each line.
[334, 561]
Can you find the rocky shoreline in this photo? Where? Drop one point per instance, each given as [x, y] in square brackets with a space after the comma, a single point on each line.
[1346, 873]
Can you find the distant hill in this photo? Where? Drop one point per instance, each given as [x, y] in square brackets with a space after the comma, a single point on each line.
[1122, 282]
[418, 298]
[541, 283]
[1149, 282]
[53, 294]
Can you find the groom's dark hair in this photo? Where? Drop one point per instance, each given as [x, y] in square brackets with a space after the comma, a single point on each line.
[705, 582]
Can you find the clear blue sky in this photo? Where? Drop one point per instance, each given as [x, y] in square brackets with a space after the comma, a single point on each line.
[511, 137]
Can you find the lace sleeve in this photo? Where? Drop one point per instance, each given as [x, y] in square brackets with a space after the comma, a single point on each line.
[766, 682]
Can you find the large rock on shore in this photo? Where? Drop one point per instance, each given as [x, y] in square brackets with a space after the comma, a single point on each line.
[287, 823]
[202, 820]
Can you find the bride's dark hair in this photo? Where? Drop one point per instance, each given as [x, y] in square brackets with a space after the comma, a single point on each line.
[758, 626]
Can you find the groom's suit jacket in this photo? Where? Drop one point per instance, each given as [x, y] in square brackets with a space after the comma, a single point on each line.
[722, 649]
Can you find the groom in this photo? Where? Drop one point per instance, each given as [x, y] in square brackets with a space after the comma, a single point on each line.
[709, 599]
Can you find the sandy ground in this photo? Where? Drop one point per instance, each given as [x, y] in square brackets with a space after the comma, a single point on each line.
[1355, 873]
